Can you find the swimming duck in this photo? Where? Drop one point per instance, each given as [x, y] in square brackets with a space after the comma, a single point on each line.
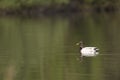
[87, 51]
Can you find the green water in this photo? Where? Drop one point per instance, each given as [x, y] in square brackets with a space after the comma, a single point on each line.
[14, 4]
[44, 48]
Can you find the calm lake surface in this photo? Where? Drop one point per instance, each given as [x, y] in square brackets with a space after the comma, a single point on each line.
[45, 48]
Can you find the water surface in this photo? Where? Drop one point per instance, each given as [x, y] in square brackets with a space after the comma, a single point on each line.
[44, 48]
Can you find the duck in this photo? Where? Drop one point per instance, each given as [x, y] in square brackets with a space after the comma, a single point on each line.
[87, 51]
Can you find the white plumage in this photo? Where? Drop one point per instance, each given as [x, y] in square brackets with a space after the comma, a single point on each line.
[88, 51]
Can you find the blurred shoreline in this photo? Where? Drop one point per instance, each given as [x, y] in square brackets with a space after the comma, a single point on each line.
[71, 8]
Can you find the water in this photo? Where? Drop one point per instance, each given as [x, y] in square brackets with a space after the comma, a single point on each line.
[44, 48]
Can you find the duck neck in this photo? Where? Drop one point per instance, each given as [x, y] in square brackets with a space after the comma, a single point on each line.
[81, 45]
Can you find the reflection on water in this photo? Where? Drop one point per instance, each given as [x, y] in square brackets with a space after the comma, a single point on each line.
[44, 48]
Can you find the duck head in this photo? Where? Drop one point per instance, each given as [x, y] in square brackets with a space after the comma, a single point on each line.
[80, 43]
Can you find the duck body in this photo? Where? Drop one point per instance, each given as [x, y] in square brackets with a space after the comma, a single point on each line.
[89, 51]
